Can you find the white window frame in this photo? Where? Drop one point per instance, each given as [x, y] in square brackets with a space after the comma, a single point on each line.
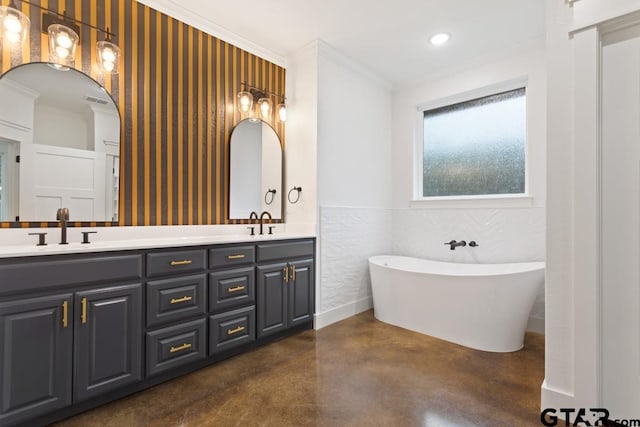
[476, 201]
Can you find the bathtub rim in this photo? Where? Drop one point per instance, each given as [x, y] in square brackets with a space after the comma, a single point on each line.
[525, 267]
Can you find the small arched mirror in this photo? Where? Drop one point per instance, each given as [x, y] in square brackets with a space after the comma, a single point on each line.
[59, 145]
[255, 170]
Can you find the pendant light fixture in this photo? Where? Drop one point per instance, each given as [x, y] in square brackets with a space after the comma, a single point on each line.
[63, 36]
[264, 104]
[245, 101]
[281, 109]
[108, 55]
[62, 44]
[14, 25]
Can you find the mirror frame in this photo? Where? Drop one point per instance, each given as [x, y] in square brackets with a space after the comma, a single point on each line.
[283, 205]
[53, 224]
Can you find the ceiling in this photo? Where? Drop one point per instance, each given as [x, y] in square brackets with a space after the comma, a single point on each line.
[388, 37]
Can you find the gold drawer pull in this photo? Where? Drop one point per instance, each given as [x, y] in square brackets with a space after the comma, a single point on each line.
[183, 262]
[235, 331]
[179, 300]
[236, 289]
[83, 316]
[185, 346]
[239, 256]
[65, 314]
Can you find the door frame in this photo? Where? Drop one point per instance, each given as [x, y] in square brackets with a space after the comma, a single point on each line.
[587, 201]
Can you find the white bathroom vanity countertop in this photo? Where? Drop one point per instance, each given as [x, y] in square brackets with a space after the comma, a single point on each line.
[112, 243]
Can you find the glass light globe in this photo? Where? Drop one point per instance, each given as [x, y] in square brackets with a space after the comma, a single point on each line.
[14, 25]
[62, 44]
[245, 101]
[108, 56]
[265, 107]
[282, 112]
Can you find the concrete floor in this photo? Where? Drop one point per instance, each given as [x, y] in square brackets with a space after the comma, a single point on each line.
[359, 372]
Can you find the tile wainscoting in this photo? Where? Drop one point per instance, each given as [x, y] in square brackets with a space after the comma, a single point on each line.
[348, 237]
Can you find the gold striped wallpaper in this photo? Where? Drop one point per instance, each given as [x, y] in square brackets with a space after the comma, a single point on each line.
[176, 91]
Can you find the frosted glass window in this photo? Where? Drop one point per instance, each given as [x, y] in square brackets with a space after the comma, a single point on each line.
[476, 147]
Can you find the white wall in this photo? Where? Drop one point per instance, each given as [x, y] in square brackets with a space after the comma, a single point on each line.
[354, 182]
[505, 233]
[302, 139]
[61, 128]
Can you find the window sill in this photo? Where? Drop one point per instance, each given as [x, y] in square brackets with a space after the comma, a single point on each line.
[475, 202]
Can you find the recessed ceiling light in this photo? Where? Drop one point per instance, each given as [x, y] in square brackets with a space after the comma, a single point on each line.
[439, 39]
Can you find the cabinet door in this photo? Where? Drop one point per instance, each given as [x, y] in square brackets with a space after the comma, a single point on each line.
[108, 339]
[36, 344]
[301, 291]
[271, 298]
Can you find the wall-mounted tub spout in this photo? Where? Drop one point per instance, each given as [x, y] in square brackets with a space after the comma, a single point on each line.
[453, 244]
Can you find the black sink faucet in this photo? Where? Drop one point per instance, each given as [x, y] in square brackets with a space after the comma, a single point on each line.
[63, 216]
[253, 215]
[453, 244]
[262, 215]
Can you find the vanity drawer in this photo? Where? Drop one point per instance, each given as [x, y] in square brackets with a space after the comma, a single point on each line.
[175, 346]
[231, 256]
[29, 273]
[183, 261]
[231, 329]
[231, 288]
[176, 298]
[280, 250]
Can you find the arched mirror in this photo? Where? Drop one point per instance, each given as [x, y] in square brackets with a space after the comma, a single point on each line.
[255, 170]
[59, 145]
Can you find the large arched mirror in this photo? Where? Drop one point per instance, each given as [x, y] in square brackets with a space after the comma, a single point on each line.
[255, 170]
[59, 145]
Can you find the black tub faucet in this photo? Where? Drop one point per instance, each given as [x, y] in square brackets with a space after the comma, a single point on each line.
[63, 216]
[453, 244]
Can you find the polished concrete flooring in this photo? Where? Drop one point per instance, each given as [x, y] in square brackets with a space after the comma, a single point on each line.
[359, 372]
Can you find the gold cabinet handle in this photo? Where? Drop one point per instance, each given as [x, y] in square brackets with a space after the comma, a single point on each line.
[65, 314]
[235, 331]
[185, 346]
[179, 300]
[236, 289]
[239, 256]
[286, 274]
[183, 262]
[83, 316]
[293, 272]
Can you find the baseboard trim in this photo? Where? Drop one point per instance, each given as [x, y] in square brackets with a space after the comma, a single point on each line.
[552, 398]
[535, 324]
[343, 312]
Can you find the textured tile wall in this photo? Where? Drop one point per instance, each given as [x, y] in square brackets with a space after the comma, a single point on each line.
[349, 236]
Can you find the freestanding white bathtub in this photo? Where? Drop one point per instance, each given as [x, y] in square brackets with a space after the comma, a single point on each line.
[482, 306]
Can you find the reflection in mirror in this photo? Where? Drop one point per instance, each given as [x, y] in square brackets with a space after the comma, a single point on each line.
[59, 145]
[255, 170]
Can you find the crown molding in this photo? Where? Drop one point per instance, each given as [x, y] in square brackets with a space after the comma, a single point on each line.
[196, 20]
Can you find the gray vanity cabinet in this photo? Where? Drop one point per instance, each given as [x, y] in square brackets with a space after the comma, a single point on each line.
[108, 345]
[35, 356]
[272, 298]
[300, 291]
[285, 290]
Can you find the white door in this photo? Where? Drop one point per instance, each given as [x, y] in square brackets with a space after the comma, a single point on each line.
[620, 230]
